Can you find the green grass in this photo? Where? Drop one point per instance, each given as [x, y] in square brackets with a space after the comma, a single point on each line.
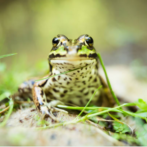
[3, 56]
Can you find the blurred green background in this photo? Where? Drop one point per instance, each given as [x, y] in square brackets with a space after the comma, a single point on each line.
[119, 28]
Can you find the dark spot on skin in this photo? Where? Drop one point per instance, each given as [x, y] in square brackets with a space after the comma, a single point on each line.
[68, 83]
[48, 100]
[87, 100]
[41, 85]
[81, 102]
[70, 89]
[53, 79]
[96, 66]
[86, 68]
[90, 78]
[74, 73]
[65, 79]
[78, 71]
[76, 78]
[86, 93]
[43, 100]
[82, 73]
[70, 78]
[41, 93]
[93, 55]
[60, 83]
[95, 80]
[65, 91]
[55, 90]
[78, 96]
[62, 87]
[82, 90]
[83, 77]
[83, 55]
[92, 91]
[48, 93]
[38, 107]
[70, 102]
[57, 55]
[58, 77]
[84, 82]
[62, 95]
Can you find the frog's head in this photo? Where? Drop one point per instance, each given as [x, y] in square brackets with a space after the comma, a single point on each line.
[72, 51]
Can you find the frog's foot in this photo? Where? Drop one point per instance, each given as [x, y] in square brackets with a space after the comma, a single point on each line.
[40, 101]
[24, 91]
[49, 109]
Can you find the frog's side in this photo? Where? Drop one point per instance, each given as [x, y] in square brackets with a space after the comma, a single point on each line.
[75, 87]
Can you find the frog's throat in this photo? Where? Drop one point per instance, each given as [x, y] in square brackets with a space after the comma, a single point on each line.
[65, 65]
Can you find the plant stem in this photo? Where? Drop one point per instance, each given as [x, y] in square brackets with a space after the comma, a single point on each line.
[92, 115]
[103, 66]
[8, 114]
[89, 101]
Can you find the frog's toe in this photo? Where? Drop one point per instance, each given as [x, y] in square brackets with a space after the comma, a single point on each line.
[52, 106]
[60, 110]
[49, 110]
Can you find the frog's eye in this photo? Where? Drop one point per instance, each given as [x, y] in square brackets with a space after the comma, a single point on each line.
[89, 40]
[55, 41]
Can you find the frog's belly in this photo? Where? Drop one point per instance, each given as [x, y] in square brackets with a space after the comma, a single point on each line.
[73, 94]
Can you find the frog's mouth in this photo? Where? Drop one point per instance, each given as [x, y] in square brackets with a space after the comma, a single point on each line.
[73, 57]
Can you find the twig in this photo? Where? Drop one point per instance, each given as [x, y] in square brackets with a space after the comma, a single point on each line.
[4, 110]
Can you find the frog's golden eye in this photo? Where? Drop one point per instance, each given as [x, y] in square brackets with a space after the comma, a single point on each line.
[89, 40]
[55, 41]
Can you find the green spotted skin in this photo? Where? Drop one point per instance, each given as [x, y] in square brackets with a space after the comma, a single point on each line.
[75, 87]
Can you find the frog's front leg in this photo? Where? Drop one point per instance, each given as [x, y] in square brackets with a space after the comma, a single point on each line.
[40, 101]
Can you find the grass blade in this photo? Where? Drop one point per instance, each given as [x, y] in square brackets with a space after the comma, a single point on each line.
[103, 66]
[3, 56]
[89, 101]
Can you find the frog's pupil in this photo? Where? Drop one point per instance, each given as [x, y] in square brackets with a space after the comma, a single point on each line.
[55, 40]
[89, 40]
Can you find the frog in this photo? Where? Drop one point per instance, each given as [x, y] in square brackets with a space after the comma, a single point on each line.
[73, 78]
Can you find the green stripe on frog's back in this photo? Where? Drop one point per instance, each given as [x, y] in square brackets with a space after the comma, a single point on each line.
[59, 52]
[84, 51]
